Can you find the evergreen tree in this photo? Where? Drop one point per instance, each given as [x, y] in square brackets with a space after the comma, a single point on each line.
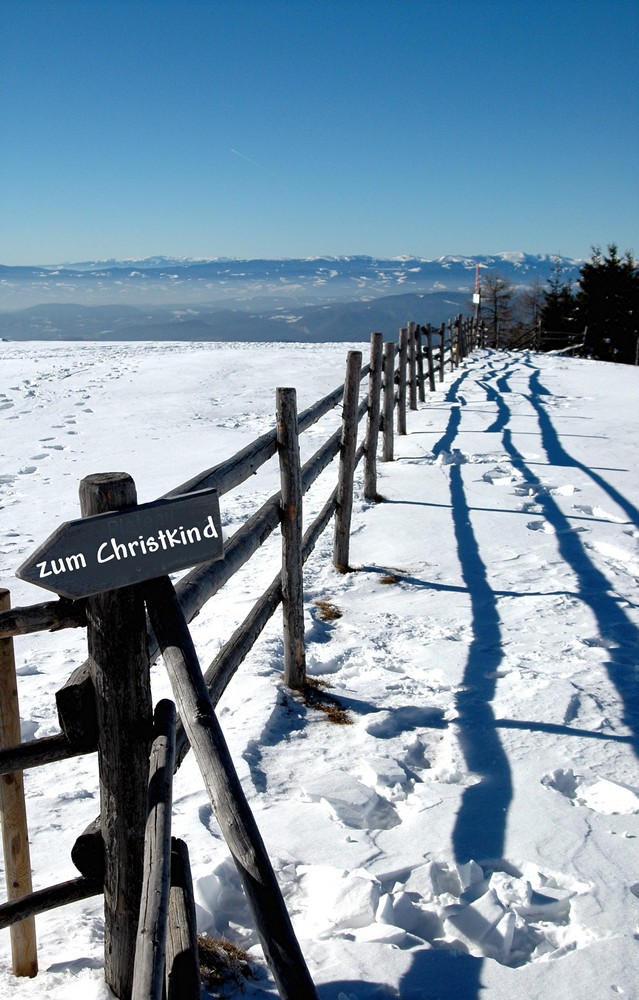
[558, 308]
[608, 305]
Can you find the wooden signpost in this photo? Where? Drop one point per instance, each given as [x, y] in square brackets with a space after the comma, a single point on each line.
[123, 547]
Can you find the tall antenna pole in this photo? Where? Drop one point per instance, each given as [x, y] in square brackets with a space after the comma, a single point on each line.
[477, 294]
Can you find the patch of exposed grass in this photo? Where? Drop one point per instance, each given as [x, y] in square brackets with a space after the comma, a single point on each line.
[222, 963]
[328, 611]
[389, 579]
[316, 696]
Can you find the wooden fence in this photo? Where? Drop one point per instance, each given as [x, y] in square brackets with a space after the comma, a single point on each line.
[536, 338]
[105, 707]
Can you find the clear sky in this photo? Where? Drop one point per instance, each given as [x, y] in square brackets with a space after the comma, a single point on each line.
[286, 128]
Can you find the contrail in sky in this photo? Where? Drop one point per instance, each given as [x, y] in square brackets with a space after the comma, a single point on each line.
[249, 160]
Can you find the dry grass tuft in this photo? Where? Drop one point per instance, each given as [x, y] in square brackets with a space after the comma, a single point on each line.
[315, 696]
[389, 579]
[328, 611]
[222, 963]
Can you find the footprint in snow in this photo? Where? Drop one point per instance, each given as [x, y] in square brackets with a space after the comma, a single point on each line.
[598, 512]
[501, 476]
[602, 795]
[351, 802]
[549, 529]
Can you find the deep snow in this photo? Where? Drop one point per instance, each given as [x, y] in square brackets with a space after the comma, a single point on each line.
[473, 832]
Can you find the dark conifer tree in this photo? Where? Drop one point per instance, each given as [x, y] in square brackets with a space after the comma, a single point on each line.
[558, 307]
[607, 304]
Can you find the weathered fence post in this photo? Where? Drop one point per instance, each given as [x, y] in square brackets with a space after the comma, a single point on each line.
[389, 401]
[344, 508]
[13, 815]
[119, 669]
[452, 344]
[401, 395]
[182, 959]
[442, 350]
[232, 812]
[419, 332]
[461, 339]
[374, 410]
[429, 356]
[148, 976]
[291, 518]
[412, 365]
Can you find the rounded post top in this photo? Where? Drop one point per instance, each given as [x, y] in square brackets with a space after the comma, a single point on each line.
[105, 491]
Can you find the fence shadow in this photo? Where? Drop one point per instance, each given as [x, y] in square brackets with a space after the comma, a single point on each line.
[615, 628]
[480, 825]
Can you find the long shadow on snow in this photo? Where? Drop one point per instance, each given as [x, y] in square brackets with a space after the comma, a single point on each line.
[615, 628]
[454, 416]
[557, 455]
[480, 824]
[433, 975]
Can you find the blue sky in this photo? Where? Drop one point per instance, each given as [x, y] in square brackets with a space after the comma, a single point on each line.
[284, 128]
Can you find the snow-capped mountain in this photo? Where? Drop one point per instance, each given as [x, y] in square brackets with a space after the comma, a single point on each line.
[312, 298]
[310, 280]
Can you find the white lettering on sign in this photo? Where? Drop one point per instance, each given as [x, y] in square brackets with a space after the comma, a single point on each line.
[125, 547]
[65, 565]
[165, 538]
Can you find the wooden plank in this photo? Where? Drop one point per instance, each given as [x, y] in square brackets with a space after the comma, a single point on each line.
[48, 899]
[374, 416]
[87, 852]
[412, 366]
[148, 974]
[343, 514]
[77, 714]
[401, 385]
[49, 616]
[35, 753]
[230, 807]
[431, 362]
[419, 342]
[90, 555]
[13, 813]
[119, 669]
[291, 516]
[389, 402]
[182, 960]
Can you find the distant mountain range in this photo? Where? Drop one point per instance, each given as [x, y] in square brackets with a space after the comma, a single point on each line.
[314, 299]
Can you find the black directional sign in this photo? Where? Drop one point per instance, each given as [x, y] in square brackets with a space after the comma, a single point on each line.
[122, 547]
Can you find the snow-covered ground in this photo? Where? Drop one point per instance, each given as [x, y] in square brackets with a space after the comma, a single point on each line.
[473, 832]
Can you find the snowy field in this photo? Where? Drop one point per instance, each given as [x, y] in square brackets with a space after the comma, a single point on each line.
[473, 833]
